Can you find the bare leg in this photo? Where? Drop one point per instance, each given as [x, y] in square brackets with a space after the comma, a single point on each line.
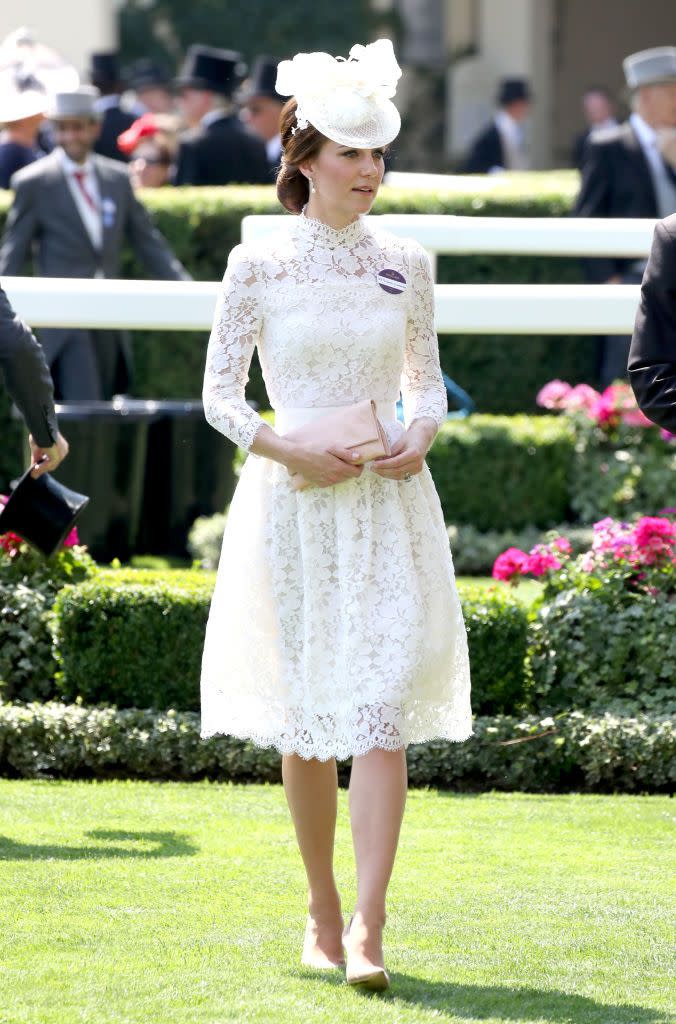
[377, 799]
[311, 791]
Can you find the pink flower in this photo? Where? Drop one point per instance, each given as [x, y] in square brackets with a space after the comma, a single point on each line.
[582, 397]
[562, 544]
[655, 539]
[604, 411]
[635, 418]
[666, 435]
[540, 560]
[554, 394]
[510, 564]
[72, 540]
[587, 562]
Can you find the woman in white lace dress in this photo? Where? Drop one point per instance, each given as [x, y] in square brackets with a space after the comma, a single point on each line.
[335, 629]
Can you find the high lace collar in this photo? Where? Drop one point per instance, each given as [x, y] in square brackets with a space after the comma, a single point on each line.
[319, 233]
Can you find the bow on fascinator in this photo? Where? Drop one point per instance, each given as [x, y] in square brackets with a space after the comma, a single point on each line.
[370, 73]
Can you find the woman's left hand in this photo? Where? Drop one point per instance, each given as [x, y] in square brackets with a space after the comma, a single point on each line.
[407, 456]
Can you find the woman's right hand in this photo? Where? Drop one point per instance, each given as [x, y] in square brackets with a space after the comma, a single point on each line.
[323, 467]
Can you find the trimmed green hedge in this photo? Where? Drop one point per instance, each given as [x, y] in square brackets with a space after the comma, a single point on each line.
[134, 639]
[575, 752]
[503, 374]
[504, 472]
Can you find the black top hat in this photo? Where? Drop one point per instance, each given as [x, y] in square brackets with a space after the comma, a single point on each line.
[206, 67]
[145, 73]
[513, 89]
[261, 81]
[104, 69]
[42, 511]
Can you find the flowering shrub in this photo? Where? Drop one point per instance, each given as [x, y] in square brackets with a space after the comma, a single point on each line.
[28, 586]
[607, 409]
[624, 464]
[622, 559]
[603, 635]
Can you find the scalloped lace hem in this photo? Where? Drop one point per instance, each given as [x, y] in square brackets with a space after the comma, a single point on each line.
[342, 750]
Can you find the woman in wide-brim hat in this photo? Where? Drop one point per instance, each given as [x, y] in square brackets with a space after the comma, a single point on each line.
[335, 628]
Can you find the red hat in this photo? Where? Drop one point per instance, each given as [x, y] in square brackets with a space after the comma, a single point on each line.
[143, 127]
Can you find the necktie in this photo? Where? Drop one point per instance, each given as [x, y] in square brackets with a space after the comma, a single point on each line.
[80, 179]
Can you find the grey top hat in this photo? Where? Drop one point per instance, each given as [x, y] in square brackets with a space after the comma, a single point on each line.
[79, 103]
[650, 67]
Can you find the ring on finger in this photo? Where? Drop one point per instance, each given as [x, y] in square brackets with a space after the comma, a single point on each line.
[407, 477]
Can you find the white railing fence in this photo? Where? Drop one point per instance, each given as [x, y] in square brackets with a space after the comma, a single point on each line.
[462, 308]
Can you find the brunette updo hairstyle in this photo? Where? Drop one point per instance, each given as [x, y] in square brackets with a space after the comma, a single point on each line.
[293, 188]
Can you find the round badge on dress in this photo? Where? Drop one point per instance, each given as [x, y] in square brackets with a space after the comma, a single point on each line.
[391, 281]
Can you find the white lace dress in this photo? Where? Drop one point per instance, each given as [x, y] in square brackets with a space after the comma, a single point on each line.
[335, 625]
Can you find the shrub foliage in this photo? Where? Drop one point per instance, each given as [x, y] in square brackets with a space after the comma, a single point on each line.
[134, 639]
[578, 752]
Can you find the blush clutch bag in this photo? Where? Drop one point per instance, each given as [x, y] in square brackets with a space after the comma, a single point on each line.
[356, 427]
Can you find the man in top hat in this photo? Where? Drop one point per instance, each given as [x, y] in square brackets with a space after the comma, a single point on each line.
[104, 74]
[652, 356]
[630, 171]
[217, 149]
[501, 145]
[151, 82]
[261, 107]
[29, 383]
[21, 115]
[76, 210]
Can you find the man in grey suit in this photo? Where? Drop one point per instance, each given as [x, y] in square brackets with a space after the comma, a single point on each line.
[30, 386]
[75, 210]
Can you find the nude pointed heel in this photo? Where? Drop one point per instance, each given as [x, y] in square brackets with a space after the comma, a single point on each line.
[318, 962]
[377, 980]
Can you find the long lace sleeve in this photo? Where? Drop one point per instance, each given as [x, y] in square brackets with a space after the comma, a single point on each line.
[422, 386]
[234, 334]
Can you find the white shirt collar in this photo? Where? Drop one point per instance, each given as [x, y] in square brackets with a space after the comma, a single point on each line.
[647, 136]
[273, 147]
[70, 166]
[507, 126]
[215, 115]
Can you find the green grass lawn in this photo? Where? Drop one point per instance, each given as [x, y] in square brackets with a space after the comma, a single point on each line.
[165, 903]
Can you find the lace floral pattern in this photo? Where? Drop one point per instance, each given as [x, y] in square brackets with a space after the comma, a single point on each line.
[335, 625]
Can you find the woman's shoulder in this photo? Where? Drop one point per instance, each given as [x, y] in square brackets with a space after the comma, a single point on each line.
[260, 252]
[409, 249]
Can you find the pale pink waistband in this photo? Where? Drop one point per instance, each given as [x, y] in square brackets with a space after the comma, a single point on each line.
[288, 417]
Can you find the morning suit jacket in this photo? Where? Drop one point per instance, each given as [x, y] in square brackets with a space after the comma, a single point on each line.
[616, 182]
[222, 153]
[27, 375]
[113, 123]
[44, 222]
[486, 152]
[652, 357]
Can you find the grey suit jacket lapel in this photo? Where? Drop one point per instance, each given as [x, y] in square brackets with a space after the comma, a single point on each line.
[65, 200]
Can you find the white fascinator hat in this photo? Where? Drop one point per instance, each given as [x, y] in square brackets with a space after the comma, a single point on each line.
[348, 101]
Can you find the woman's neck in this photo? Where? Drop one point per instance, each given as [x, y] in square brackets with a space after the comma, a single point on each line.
[335, 218]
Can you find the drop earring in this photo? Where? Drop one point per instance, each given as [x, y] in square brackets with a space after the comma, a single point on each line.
[313, 187]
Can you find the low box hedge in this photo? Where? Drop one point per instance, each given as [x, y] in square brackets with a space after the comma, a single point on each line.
[504, 472]
[134, 638]
[502, 374]
[575, 752]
